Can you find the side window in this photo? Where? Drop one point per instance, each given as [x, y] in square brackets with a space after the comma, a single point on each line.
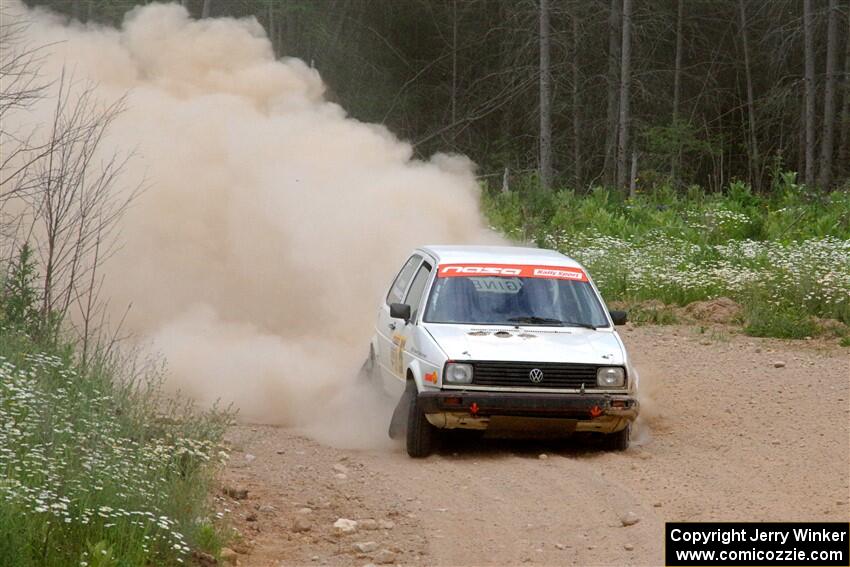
[399, 286]
[417, 288]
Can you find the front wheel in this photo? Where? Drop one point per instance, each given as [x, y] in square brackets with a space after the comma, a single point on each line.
[618, 441]
[421, 435]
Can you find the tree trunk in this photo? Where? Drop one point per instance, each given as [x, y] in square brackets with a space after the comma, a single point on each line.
[755, 168]
[454, 63]
[545, 100]
[801, 139]
[827, 136]
[614, 19]
[677, 86]
[633, 176]
[577, 165]
[508, 80]
[285, 31]
[809, 56]
[625, 86]
[844, 149]
[205, 11]
[270, 26]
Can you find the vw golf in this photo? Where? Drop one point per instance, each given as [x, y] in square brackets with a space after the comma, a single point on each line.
[500, 338]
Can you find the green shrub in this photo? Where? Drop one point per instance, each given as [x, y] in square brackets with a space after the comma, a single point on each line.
[785, 322]
[20, 297]
[210, 537]
[641, 314]
[786, 252]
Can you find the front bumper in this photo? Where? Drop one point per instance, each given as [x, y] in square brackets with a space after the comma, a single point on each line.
[604, 413]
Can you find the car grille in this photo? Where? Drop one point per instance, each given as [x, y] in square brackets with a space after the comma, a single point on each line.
[517, 374]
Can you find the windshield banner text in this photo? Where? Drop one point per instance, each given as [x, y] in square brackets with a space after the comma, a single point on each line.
[511, 270]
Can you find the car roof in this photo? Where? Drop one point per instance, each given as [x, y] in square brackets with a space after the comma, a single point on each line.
[498, 255]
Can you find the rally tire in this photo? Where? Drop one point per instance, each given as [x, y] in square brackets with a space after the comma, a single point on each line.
[618, 441]
[421, 435]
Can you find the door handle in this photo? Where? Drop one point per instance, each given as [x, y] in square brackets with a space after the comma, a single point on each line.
[391, 326]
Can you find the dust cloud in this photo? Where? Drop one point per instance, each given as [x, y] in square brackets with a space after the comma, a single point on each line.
[271, 222]
[651, 417]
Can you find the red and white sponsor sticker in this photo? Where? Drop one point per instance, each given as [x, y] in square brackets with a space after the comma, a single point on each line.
[560, 273]
[511, 270]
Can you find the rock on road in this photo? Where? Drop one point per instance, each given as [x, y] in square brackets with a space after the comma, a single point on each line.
[730, 436]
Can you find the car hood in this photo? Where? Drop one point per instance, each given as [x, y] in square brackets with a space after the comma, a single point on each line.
[528, 344]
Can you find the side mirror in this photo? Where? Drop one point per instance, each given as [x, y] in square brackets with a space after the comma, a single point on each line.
[400, 311]
[619, 317]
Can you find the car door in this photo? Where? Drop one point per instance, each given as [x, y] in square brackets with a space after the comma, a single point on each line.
[404, 335]
[387, 337]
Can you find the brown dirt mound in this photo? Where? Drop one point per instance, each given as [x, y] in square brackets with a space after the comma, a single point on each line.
[720, 310]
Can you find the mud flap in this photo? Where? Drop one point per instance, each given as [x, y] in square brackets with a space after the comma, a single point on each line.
[367, 373]
[398, 423]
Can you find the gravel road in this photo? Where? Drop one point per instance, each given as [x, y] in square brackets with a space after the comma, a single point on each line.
[736, 429]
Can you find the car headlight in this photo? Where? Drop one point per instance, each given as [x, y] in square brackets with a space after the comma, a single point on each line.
[458, 373]
[611, 377]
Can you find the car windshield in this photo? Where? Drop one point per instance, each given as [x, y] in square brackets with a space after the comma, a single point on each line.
[517, 300]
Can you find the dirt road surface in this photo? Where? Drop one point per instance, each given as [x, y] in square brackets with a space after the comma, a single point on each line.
[732, 435]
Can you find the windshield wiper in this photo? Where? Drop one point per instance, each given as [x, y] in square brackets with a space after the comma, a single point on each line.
[578, 324]
[533, 320]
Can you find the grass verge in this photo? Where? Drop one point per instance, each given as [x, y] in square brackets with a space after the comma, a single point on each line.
[784, 255]
[97, 466]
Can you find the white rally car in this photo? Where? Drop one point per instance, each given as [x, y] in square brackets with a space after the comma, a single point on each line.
[486, 337]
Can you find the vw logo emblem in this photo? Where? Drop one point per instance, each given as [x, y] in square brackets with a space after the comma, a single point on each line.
[536, 375]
